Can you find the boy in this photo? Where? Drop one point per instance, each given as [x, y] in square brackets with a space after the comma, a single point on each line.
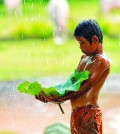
[86, 117]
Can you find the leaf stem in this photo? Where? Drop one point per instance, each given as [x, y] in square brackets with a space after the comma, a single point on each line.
[61, 108]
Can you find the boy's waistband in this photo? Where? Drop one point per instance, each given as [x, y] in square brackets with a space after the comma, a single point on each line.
[85, 106]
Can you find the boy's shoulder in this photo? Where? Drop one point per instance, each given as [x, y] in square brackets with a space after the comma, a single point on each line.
[103, 59]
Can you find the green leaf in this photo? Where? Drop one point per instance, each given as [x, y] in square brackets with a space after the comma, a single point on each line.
[30, 88]
[73, 83]
[51, 90]
[23, 87]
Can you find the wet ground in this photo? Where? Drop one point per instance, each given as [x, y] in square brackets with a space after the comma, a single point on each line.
[23, 114]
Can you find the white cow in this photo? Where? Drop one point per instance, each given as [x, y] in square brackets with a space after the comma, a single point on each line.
[59, 13]
[13, 5]
[107, 5]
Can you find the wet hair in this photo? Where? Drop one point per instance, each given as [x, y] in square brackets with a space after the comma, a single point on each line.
[87, 29]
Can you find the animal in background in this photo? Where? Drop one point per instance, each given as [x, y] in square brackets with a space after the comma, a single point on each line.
[108, 5]
[13, 6]
[59, 13]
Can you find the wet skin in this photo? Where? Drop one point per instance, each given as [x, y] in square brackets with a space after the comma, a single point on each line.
[93, 60]
[96, 62]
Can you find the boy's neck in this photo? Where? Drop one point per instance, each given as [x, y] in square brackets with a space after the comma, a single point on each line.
[99, 49]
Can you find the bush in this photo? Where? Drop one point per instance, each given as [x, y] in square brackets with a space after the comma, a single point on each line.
[110, 28]
[32, 30]
[44, 28]
[71, 25]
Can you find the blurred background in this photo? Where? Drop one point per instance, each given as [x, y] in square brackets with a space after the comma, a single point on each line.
[37, 43]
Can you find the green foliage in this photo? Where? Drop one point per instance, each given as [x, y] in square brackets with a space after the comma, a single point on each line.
[109, 27]
[1, 1]
[26, 27]
[72, 84]
[71, 25]
[35, 58]
[33, 29]
[44, 29]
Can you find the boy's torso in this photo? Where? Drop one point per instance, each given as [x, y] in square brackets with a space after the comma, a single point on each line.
[90, 97]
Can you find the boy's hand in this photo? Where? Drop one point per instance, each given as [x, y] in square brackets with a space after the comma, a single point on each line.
[41, 97]
[52, 98]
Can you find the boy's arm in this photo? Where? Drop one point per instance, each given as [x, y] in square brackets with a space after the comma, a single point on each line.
[96, 72]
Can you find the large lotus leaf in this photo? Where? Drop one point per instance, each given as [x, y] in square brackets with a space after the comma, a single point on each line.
[33, 88]
[73, 83]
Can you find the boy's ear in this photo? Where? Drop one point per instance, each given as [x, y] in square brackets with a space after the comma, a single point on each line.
[95, 39]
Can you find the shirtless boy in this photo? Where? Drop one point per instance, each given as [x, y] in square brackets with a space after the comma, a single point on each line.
[86, 117]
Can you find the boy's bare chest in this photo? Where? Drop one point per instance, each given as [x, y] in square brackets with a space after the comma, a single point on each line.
[85, 63]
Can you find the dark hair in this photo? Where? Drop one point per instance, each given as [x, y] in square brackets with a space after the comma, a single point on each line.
[87, 29]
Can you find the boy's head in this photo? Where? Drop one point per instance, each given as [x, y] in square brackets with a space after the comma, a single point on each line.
[87, 29]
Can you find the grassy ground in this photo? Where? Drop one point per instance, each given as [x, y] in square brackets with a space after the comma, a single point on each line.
[38, 58]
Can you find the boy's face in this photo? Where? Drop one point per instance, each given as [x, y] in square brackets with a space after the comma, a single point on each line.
[85, 46]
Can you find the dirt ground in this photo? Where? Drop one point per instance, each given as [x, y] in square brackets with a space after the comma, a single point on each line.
[23, 114]
[29, 116]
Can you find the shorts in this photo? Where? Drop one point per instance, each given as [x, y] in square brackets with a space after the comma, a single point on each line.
[86, 120]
